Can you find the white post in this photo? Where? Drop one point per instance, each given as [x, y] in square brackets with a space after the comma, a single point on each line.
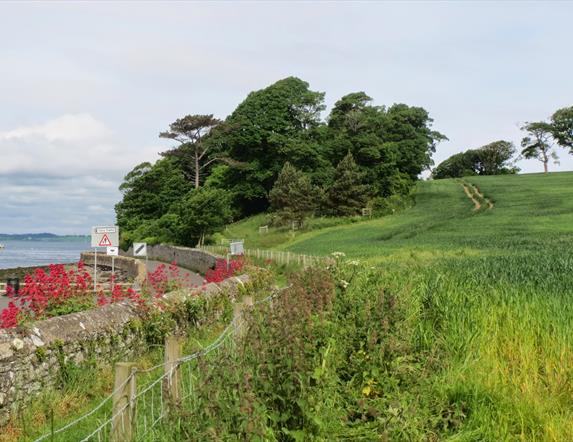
[95, 269]
[112, 272]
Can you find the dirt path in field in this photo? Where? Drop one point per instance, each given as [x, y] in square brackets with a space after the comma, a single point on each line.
[470, 195]
[473, 193]
[487, 200]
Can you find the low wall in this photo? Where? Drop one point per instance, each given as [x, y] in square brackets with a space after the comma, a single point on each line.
[33, 359]
[134, 268]
[195, 260]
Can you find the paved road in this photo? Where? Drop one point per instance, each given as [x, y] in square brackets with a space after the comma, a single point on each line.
[3, 302]
[189, 277]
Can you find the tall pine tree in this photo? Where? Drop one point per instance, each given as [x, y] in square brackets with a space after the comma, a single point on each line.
[293, 197]
[347, 195]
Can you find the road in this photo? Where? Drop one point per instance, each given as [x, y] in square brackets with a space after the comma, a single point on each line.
[190, 278]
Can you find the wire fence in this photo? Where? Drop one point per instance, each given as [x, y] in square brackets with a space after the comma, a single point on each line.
[278, 256]
[142, 399]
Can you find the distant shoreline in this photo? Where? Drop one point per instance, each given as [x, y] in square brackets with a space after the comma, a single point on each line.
[42, 237]
[20, 272]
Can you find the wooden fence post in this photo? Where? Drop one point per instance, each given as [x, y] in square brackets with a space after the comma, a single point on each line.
[238, 315]
[123, 404]
[172, 380]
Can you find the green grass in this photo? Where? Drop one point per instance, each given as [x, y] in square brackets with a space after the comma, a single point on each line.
[277, 237]
[491, 290]
[487, 305]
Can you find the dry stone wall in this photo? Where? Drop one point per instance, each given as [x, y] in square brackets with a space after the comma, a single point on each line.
[195, 260]
[32, 358]
[134, 268]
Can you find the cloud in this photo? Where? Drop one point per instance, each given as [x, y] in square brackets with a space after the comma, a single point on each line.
[70, 145]
[62, 175]
[67, 128]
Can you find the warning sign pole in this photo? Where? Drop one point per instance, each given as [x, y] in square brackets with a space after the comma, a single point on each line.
[112, 272]
[95, 269]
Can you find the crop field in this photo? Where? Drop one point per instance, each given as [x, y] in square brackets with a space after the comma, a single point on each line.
[441, 323]
[489, 293]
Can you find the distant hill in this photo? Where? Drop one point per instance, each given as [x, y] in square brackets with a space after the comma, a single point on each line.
[37, 236]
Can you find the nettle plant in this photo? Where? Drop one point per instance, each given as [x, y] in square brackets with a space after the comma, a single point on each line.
[60, 291]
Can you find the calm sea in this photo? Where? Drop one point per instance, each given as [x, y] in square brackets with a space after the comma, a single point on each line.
[36, 253]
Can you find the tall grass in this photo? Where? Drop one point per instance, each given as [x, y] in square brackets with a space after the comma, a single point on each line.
[489, 292]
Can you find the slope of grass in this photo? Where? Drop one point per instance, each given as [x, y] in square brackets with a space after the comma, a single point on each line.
[491, 290]
[277, 237]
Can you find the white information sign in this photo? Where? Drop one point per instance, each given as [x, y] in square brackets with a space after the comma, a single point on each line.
[105, 236]
[237, 248]
[139, 249]
[113, 251]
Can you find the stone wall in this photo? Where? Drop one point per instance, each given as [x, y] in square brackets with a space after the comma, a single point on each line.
[132, 267]
[32, 359]
[191, 259]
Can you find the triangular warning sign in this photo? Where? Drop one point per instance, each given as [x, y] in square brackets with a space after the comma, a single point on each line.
[105, 242]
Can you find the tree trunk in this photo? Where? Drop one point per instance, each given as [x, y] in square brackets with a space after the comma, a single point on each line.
[545, 166]
[545, 161]
[196, 170]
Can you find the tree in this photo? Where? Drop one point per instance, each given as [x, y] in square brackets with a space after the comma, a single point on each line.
[149, 191]
[189, 132]
[271, 126]
[458, 165]
[293, 197]
[203, 212]
[562, 127]
[347, 195]
[349, 110]
[496, 158]
[537, 144]
[391, 146]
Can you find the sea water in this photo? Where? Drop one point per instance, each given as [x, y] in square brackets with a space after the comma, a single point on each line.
[17, 253]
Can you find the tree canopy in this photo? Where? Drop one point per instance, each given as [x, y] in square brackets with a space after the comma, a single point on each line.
[537, 144]
[361, 149]
[496, 158]
[196, 155]
[562, 127]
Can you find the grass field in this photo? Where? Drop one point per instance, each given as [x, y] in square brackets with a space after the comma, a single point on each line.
[489, 291]
[456, 324]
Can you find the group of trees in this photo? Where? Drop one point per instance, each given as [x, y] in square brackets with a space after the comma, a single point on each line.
[499, 157]
[276, 152]
[294, 197]
[492, 159]
[543, 136]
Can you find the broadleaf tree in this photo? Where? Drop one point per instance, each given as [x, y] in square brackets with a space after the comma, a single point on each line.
[202, 212]
[271, 126]
[562, 127]
[537, 144]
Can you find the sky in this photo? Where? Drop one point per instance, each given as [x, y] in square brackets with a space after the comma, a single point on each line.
[86, 87]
